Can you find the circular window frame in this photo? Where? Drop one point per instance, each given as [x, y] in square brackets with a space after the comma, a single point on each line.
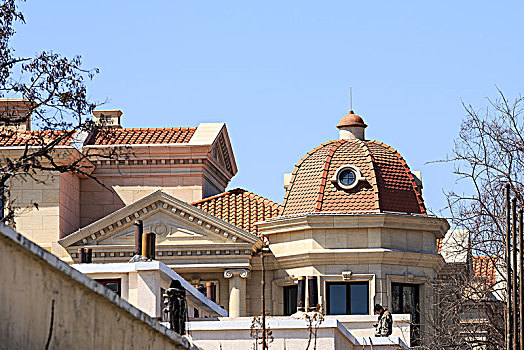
[354, 169]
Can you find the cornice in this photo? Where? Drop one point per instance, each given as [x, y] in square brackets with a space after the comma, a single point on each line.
[365, 220]
[359, 257]
[124, 253]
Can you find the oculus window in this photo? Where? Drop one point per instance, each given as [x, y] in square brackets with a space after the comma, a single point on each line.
[347, 298]
[347, 177]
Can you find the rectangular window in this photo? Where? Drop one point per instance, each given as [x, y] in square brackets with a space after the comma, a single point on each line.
[405, 300]
[113, 284]
[347, 298]
[290, 300]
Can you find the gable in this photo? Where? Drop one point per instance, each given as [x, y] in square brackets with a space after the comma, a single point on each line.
[174, 221]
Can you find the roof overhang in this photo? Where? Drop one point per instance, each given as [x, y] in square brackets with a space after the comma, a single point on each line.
[439, 226]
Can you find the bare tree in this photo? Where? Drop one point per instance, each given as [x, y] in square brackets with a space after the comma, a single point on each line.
[51, 95]
[488, 153]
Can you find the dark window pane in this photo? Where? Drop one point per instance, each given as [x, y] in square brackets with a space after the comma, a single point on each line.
[290, 300]
[112, 284]
[396, 306]
[337, 299]
[359, 299]
[405, 300]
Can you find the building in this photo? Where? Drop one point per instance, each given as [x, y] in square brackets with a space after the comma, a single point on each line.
[352, 224]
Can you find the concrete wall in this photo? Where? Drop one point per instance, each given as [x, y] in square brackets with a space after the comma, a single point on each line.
[45, 301]
[97, 201]
[288, 333]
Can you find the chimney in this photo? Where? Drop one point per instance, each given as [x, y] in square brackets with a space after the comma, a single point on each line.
[418, 180]
[148, 245]
[287, 180]
[109, 118]
[15, 114]
[351, 127]
[139, 231]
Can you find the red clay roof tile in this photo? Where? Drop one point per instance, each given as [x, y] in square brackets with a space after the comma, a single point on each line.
[10, 138]
[388, 185]
[484, 266]
[240, 208]
[133, 136]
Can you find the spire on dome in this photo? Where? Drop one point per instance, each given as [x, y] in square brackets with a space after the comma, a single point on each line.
[351, 127]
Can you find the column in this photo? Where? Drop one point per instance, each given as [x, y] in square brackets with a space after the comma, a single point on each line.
[237, 291]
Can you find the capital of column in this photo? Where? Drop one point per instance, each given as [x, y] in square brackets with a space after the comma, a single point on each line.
[242, 273]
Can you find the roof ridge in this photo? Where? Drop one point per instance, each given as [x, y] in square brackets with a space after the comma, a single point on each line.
[418, 195]
[222, 194]
[238, 190]
[374, 181]
[158, 128]
[292, 180]
[323, 177]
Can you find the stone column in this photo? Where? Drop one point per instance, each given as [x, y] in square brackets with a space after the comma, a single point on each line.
[237, 291]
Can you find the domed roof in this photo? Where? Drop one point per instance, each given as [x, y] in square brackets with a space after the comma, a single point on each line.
[382, 181]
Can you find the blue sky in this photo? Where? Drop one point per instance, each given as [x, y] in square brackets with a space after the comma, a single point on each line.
[278, 72]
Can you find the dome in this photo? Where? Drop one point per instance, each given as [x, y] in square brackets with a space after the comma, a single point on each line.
[352, 176]
[351, 120]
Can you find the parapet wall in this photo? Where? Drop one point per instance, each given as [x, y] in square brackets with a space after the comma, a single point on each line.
[46, 304]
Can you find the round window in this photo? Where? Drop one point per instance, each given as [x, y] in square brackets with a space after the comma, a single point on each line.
[347, 177]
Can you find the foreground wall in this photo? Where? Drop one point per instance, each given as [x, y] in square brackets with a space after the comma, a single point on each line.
[287, 333]
[46, 304]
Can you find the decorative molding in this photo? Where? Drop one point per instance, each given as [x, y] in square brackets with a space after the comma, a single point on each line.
[346, 275]
[148, 162]
[123, 219]
[242, 273]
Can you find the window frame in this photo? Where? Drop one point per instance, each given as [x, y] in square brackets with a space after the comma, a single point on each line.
[348, 295]
[106, 281]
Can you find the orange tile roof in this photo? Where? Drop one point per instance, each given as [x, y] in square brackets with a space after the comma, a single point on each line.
[388, 185]
[10, 138]
[134, 136]
[484, 266]
[240, 208]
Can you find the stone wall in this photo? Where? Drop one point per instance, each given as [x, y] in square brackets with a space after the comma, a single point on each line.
[41, 225]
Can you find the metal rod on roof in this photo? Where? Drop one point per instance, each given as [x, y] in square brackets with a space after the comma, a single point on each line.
[521, 280]
[509, 326]
[514, 274]
[351, 98]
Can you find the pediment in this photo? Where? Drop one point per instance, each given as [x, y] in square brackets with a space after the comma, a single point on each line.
[173, 221]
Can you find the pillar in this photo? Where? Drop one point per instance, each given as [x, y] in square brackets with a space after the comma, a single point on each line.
[237, 291]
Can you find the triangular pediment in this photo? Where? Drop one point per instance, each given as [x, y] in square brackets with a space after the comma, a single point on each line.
[173, 221]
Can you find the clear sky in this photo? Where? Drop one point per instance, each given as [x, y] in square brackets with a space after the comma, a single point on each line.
[278, 72]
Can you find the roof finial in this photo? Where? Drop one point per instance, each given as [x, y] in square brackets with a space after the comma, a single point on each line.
[350, 98]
